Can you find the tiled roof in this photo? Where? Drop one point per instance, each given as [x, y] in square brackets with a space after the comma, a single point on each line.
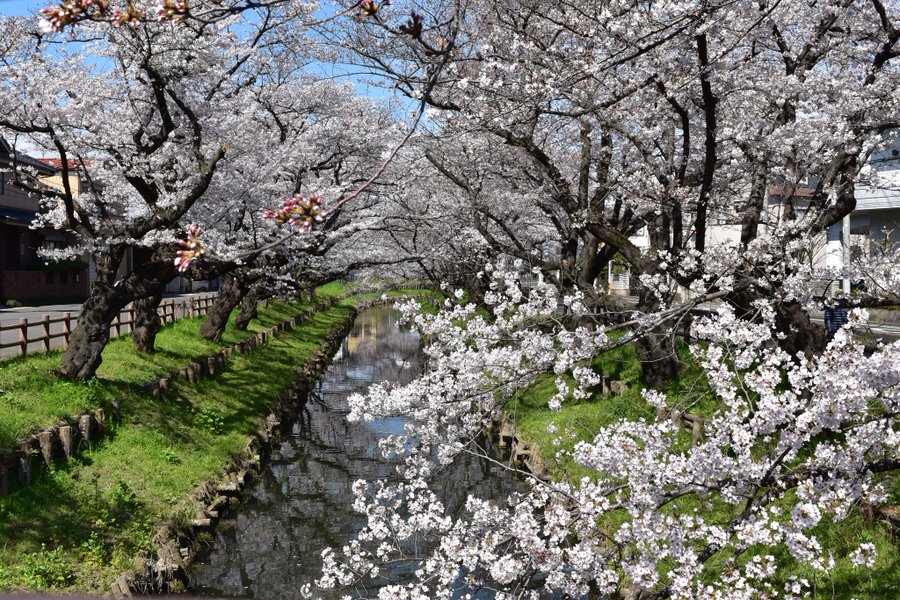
[56, 163]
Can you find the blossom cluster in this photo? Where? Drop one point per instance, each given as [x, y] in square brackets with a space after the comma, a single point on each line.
[172, 10]
[299, 212]
[69, 12]
[370, 8]
[191, 249]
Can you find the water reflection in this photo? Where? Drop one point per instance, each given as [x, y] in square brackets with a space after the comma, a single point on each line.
[271, 544]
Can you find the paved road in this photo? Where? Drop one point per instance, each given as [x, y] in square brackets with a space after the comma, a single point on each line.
[882, 323]
[888, 331]
[11, 316]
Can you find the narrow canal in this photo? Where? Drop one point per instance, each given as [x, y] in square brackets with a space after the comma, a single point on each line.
[271, 544]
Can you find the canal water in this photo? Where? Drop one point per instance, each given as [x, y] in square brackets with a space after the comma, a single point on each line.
[271, 544]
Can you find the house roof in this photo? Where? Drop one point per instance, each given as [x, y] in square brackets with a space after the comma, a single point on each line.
[8, 156]
[56, 163]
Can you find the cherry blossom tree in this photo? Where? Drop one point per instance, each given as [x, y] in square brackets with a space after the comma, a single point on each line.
[146, 130]
[323, 142]
[667, 118]
[672, 118]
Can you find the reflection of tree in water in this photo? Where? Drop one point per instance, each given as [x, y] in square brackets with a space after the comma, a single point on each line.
[302, 502]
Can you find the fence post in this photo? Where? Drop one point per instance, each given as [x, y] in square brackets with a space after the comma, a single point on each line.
[117, 323]
[67, 328]
[23, 336]
[46, 324]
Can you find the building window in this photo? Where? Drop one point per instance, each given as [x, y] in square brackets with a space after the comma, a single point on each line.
[53, 245]
[50, 278]
[64, 277]
[2, 183]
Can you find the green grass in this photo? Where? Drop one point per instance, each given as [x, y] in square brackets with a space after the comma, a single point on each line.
[33, 396]
[77, 527]
[334, 288]
[411, 293]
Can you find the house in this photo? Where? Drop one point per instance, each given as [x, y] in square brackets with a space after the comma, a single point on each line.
[874, 225]
[23, 274]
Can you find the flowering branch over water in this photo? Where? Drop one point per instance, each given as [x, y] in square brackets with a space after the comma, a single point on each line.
[789, 443]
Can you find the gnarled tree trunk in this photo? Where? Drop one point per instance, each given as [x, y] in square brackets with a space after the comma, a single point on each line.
[656, 348]
[146, 322]
[230, 295]
[248, 310]
[659, 362]
[801, 335]
[86, 343]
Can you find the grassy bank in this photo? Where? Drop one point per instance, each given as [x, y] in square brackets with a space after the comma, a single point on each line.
[581, 420]
[81, 524]
[33, 396]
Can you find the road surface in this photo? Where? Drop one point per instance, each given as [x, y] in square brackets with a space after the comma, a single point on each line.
[11, 316]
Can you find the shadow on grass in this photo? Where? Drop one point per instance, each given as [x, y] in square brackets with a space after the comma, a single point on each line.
[64, 508]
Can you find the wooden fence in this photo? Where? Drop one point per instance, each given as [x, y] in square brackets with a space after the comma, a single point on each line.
[46, 333]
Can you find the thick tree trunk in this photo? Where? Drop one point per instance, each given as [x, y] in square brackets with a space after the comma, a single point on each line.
[656, 349]
[248, 310]
[659, 362]
[86, 343]
[146, 322]
[230, 294]
[801, 335]
[568, 279]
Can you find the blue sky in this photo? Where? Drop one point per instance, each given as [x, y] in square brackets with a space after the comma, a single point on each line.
[339, 71]
[22, 7]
